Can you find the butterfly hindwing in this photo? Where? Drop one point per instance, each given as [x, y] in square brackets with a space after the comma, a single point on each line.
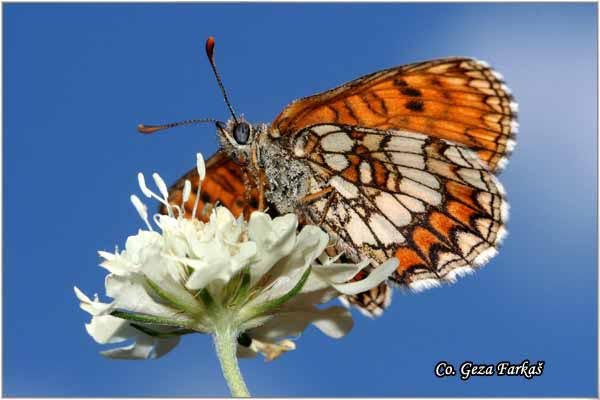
[371, 303]
[429, 202]
[459, 99]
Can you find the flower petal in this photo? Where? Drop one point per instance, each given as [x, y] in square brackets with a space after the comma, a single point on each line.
[141, 349]
[108, 329]
[119, 266]
[204, 271]
[376, 276]
[140, 247]
[106, 255]
[334, 322]
[339, 273]
[94, 307]
[246, 252]
[274, 239]
[130, 294]
[313, 297]
[157, 269]
[327, 274]
[311, 242]
[163, 346]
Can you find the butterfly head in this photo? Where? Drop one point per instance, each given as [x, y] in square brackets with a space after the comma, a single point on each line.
[235, 133]
[237, 138]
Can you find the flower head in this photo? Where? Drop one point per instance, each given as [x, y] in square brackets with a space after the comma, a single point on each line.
[259, 279]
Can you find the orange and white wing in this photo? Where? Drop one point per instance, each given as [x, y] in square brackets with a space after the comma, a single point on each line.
[429, 202]
[224, 184]
[459, 99]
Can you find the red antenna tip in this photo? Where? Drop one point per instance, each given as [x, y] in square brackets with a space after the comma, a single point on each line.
[210, 47]
[148, 129]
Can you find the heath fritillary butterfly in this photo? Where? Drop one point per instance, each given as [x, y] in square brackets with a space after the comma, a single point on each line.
[399, 163]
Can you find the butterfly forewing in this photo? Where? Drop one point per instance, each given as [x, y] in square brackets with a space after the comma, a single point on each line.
[223, 184]
[458, 99]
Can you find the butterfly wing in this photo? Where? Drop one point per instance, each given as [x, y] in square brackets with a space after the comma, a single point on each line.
[458, 99]
[429, 202]
[224, 183]
[371, 303]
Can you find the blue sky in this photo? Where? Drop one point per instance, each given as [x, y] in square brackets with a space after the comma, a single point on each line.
[79, 78]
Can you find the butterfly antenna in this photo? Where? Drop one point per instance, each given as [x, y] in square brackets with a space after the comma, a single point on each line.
[155, 128]
[210, 50]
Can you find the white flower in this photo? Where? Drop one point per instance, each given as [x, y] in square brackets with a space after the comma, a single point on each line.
[106, 328]
[260, 280]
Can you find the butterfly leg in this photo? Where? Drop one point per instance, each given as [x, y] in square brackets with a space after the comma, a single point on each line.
[327, 205]
[247, 193]
[261, 190]
[328, 192]
[261, 179]
[316, 196]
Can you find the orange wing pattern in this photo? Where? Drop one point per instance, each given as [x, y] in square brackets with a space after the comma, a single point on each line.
[224, 183]
[458, 99]
[429, 202]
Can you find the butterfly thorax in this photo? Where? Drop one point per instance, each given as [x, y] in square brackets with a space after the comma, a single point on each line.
[287, 177]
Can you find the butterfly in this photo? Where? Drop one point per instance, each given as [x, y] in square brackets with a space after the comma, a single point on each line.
[398, 163]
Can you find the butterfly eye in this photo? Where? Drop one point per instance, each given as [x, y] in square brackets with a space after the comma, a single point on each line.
[241, 133]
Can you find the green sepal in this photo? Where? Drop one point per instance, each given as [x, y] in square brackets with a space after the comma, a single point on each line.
[206, 298]
[188, 270]
[273, 304]
[162, 335]
[170, 299]
[232, 286]
[242, 291]
[147, 319]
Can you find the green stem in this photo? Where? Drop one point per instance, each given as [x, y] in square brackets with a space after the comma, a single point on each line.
[226, 343]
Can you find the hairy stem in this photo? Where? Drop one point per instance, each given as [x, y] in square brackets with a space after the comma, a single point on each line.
[226, 343]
